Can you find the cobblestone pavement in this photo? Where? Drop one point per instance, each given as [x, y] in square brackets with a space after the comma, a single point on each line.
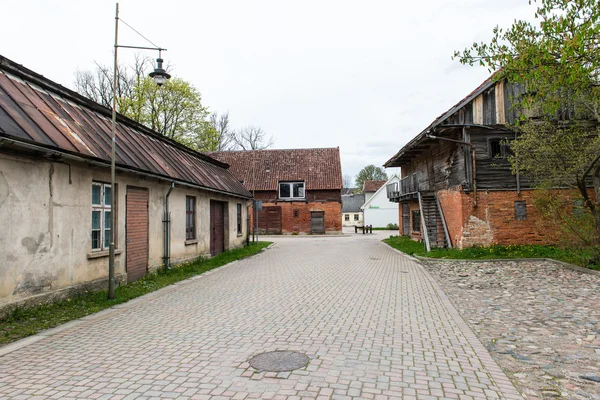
[540, 321]
[374, 324]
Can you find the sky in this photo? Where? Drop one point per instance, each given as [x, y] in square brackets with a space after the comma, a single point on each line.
[364, 76]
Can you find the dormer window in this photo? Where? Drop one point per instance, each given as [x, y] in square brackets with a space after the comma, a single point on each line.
[291, 190]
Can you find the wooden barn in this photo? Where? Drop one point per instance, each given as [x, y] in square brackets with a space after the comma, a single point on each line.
[457, 188]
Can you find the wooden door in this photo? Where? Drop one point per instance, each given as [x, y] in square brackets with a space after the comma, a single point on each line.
[136, 233]
[317, 222]
[269, 220]
[406, 219]
[217, 228]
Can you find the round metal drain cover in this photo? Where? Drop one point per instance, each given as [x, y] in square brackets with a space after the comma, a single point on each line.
[279, 361]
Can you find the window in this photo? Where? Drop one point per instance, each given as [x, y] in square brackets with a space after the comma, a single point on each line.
[520, 210]
[101, 215]
[190, 218]
[347, 217]
[356, 217]
[291, 190]
[499, 148]
[416, 221]
[578, 209]
[239, 219]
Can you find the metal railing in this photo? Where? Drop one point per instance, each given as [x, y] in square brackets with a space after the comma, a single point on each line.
[408, 185]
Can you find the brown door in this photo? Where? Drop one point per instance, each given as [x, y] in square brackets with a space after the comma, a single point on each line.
[406, 219]
[217, 228]
[136, 231]
[269, 220]
[317, 222]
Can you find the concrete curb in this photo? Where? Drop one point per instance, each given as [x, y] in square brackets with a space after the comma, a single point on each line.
[90, 318]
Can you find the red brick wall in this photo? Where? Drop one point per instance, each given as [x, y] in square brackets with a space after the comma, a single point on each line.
[301, 223]
[493, 220]
[451, 202]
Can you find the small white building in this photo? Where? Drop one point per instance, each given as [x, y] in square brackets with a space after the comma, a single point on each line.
[352, 215]
[378, 211]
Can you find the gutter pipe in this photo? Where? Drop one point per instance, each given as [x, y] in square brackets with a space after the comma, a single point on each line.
[167, 222]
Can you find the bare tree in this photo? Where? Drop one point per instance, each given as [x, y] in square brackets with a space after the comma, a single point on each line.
[252, 138]
[347, 181]
[220, 123]
[97, 85]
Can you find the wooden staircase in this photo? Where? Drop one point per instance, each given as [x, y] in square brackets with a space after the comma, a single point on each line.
[435, 231]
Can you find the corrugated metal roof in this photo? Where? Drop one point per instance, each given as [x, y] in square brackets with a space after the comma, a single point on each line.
[38, 111]
[320, 169]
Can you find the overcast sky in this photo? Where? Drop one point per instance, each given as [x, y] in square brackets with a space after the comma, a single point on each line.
[366, 76]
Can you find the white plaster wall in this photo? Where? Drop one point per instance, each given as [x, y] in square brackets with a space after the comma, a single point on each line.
[45, 225]
[380, 211]
[352, 222]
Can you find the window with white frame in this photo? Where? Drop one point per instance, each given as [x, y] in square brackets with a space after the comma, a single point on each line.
[101, 215]
[291, 190]
[356, 217]
[347, 217]
[190, 217]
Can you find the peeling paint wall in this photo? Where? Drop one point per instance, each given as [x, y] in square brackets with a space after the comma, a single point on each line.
[45, 225]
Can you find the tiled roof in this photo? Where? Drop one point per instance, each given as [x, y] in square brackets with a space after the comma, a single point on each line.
[320, 169]
[372, 186]
[352, 202]
[38, 113]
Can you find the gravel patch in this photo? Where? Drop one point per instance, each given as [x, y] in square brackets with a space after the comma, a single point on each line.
[539, 320]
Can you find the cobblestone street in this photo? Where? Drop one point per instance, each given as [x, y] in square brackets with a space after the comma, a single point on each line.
[374, 324]
[540, 321]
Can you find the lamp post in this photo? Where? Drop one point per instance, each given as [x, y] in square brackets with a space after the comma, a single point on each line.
[160, 76]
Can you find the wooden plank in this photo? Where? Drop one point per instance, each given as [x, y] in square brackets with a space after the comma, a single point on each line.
[500, 104]
[478, 110]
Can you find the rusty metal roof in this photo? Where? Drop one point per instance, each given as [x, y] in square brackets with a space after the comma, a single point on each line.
[319, 168]
[35, 110]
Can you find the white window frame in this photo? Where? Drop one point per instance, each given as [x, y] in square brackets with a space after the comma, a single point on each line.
[291, 187]
[102, 208]
[346, 217]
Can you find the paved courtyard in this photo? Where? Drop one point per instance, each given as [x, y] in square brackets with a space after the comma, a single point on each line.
[374, 324]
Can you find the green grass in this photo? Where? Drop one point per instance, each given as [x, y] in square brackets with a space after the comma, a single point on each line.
[23, 322]
[578, 257]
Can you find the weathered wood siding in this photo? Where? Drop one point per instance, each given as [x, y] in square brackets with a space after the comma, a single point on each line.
[493, 173]
[440, 167]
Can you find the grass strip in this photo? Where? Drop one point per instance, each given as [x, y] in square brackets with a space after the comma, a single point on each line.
[573, 256]
[23, 322]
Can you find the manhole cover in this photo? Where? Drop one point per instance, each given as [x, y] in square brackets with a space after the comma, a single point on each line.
[279, 361]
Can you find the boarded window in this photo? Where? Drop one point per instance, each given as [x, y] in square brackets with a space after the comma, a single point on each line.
[190, 217]
[520, 210]
[416, 221]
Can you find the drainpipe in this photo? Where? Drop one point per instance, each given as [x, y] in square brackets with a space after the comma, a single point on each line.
[167, 222]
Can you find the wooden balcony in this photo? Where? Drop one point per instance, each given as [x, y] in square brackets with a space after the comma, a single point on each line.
[406, 190]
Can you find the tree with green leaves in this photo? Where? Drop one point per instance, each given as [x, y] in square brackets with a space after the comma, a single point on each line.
[556, 60]
[174, 109]
[370, 173]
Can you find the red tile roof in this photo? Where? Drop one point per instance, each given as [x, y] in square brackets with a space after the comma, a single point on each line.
[35, 111]
[320, 169]
[372, 186]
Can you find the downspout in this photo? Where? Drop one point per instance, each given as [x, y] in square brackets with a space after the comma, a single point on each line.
[517, 173]
[167, 222]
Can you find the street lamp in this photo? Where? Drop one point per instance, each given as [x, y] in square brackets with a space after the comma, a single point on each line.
[160, 76]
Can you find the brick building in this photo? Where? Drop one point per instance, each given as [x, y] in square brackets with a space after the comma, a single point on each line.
[457, 188]
[300, 189]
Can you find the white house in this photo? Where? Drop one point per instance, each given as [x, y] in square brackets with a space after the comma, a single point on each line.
[378, 210]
